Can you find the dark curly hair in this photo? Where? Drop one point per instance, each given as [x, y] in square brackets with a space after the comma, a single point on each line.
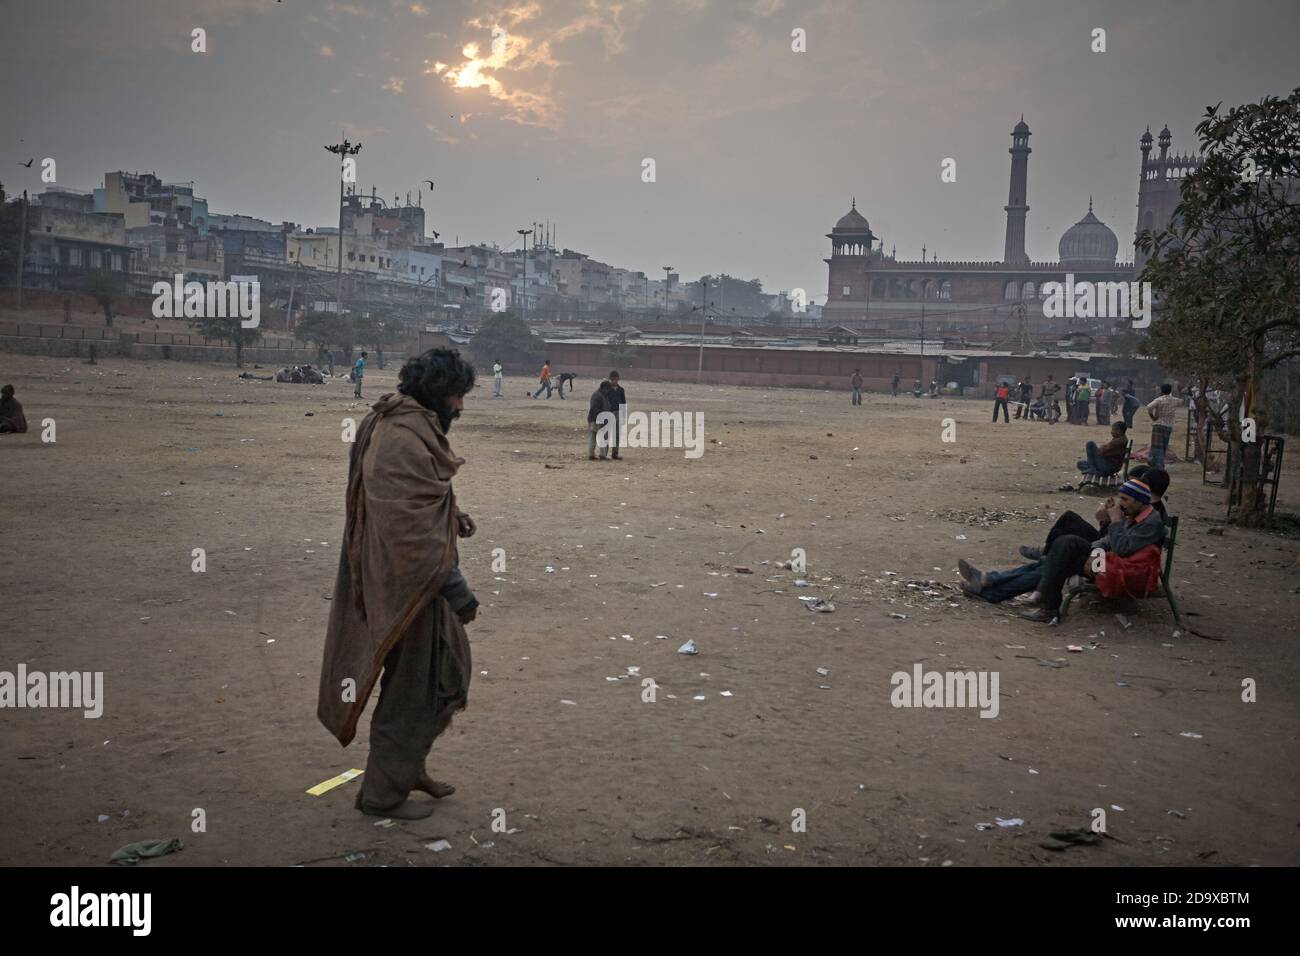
[435, 376]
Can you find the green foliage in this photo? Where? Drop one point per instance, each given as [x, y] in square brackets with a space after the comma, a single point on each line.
[505, 336]
[1227, 273]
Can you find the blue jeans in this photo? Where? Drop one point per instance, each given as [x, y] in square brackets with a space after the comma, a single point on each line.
[545, 385]
[1094, 463]
[1003, 585]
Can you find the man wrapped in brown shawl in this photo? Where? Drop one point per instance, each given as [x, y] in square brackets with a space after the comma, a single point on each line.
[400, 602]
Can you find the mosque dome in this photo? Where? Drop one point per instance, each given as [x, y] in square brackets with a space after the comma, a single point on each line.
[852, 221]
[1089, 243]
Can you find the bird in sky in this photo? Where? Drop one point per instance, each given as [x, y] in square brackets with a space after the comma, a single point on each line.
[436, 233]
[29, 162]
[430, 182]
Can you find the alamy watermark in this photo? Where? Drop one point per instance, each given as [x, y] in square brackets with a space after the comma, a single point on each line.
[1101, 300]
[55, 689]
[75, 908]
[652, 430]
[240, 298]
[946, 689]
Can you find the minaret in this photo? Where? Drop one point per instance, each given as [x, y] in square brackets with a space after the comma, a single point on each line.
[1014, 253]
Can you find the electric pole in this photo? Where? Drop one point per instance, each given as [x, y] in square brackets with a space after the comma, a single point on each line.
[22, 250]
[343, 150]
[523, 294]
[704, 314]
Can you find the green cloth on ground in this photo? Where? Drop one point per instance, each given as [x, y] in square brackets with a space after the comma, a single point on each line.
[133, 853]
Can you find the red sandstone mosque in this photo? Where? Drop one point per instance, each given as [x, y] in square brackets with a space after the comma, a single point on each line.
[870, 289]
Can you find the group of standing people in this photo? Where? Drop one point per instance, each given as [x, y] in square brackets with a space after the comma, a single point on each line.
[609, 396]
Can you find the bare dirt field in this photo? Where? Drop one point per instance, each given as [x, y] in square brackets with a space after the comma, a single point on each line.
[210, 678]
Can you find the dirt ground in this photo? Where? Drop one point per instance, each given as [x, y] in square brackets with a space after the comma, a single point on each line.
[210, 679]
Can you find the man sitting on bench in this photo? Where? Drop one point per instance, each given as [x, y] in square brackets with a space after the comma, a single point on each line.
[1107, 459]
[1130, 562]
[998, 586]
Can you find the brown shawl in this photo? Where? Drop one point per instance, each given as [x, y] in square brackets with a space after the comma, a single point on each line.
[12, 410]
[399, 545]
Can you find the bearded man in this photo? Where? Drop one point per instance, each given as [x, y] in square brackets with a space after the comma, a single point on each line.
[400, 602]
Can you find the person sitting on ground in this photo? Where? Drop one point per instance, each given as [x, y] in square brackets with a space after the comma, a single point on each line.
[1107, 459]
[998, 586]
[12, 419]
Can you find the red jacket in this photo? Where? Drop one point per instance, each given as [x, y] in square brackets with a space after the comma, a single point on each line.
[1135, 576]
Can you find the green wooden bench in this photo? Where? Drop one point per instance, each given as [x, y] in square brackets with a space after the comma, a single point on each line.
[1163, 589]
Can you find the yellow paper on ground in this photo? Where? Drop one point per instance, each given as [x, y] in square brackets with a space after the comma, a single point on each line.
[333, 782]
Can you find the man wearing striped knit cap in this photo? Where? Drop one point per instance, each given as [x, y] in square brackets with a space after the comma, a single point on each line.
[1133, 525]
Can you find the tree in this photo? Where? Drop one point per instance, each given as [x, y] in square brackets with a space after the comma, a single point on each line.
[1226, 274]
[105, 288]
[505, 336]
[327, 330]
[11, 217]
[229, 330]
[621, 351]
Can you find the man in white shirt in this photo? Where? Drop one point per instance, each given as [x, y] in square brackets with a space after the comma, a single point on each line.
[1163, 412]
[496, 379]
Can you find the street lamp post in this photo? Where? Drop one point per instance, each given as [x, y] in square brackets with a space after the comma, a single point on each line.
[523, 296]
[343, 150]
[667, 272]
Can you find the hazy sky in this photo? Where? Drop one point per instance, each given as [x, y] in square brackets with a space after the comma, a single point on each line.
[758, 149]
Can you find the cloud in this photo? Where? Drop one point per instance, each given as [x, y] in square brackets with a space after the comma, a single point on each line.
[518, 68]
[419, 9]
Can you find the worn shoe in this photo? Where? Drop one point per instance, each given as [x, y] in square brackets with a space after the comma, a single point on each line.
[1041, 615]
[1030, 552]
[971, 574]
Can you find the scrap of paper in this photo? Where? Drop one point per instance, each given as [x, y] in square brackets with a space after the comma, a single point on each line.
[333, 782]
